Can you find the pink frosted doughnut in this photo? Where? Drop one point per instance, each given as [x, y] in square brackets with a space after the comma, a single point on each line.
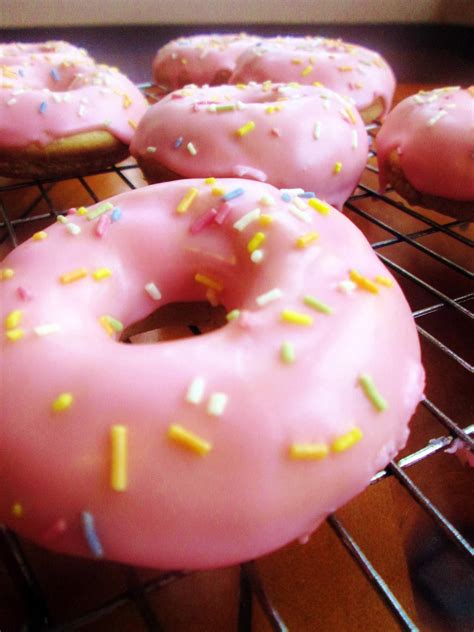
[199, 59]
[54, 51]
[425, 150]
[287, 135]
[64, 117]
[354, 72]
[209, 450]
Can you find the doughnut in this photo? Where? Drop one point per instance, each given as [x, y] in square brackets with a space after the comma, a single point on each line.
[425, 150]
[59, 51]
[287, 135]
[199, 59]
[352, 71]
[63, 116]
[208, 450]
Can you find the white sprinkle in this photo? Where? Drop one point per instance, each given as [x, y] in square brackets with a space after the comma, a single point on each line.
[327, 104]
[153, 291]
[195, 391]
[57, 97]
[345, 115]
[434, 119]
[62, 219]
[300, 203]
[355, 139]
[269, 297]
[346, 286]
[432, 98]
[240, 105]
[212, 108]
[298, 213]
[317, 130]
[191, 148]
[257, 256]
[74, 229]
[67, 96]
[216, 404]
[450, 106]
[151, 150]
[11, 101]
[46, 330]
[292, 192]
[82, 111]
[247, 219]
[266, 200]
[419, 99]
[212, 298]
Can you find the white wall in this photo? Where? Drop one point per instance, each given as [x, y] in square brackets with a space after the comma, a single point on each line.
[27, 13]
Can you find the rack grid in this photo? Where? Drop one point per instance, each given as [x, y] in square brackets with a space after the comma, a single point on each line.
[436, 278]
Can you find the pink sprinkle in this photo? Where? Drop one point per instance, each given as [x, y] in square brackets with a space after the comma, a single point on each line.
[224, 210]
[177, 95]
[102, 225]
[202, 221]
[24, 294]
[72, 211]
[55, 530]
[276, 132]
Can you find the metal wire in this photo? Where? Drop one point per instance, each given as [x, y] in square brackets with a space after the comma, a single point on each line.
[37, 615]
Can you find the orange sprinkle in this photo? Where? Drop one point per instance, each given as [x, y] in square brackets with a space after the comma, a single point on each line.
[363, 282]
[75, 275]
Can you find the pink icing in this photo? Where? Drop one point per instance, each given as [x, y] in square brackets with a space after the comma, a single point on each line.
[52, 52]
[41, 101]
[353, 71]
[433, 133]
[246, 496]
[198, 59]
[317, 130]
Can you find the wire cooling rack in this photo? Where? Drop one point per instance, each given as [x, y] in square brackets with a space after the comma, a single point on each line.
[430, 256]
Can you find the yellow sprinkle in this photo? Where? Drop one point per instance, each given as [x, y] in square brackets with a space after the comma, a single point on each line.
[241, 86]
[245, 129]
[187, 199]
[307, 239]
[133, 124]
[305, 72]
[346, 441]
[267, 85]
[294, 84]
[62, 402]
[40, 235]
[271, 109]
[75, 275]
[350, 114]
[382, 280]
[345, 68]
[265, 219]
[6, 274]
[81, 211]
[127, 101]
[209, 282]
[318, 84]
[15, 334]
[17, 510]
[209, 181]
[337, 167]
[318, 205]
[256, 241]
[309, 451]
[189, 440]
[119, 454]
[233, 315]
[218, 191]
[13, 319]
[296, 318]
[104, 321]
[363, 282]
[296, 61]
[102, 273]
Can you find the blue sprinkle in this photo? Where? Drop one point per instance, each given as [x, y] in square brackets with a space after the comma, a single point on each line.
[116, 214]
[307, 194]
[54, 74]
[21, 72]
[90, 533]
[233, 194]
[286, 197]
[43, 107]
[178, 142]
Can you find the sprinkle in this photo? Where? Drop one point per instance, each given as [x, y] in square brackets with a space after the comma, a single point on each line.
[267, 200]
[298, 213]
[15, 334]
[178, 142]
[11, 101]
[119, 458]
[209, 282]
[40, 235]
[150, 149]
[195, 391]
[132, 123]
[383, 280]
[102, 273]
[337, 167]
[81, 211]
[204, 220]
[224, 210]
[434, 119]
[88, 526]
[346, 441]
[345, 68]
[292, 192]
[355, 139]
[265, 219]
[269, 297]
[299, 203]
[116, 214]
[287, 352]
[73, 229]
[318, 205]
[218, 191]
[363, 282]
[104, 321]
[256, 241]
[307, 195]
[24, 294]
[115, 324]
[17, 510]
[6, 274]
[153, 291]
[46, 330]
[210, 180]
[189, 440]
[245, 129]
[226, 107]
[306, 71]
[257, 256]
[187, 199]
[42, 107]
[191, 148]
[346, 286]
[82, 111]
[306, 239]
[235, 193]
[217, 404]
[54, 74]
[311, 301]
[102, 225]
[99, 210]
[13, 319]
[126, 101]
[62, 402]
[247, 219]
[75, 275]
[233, 315]
[370, 390]
[286, 197]
[296, 318]
[308, 451]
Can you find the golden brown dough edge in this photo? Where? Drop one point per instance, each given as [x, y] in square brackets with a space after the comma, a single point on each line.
[462, 209]
[74, 155]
